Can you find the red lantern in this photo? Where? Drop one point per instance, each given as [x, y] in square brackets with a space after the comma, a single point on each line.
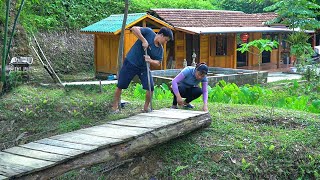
[244, 37]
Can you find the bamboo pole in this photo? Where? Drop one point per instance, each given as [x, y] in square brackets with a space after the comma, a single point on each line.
[4, 54]
[14, 26]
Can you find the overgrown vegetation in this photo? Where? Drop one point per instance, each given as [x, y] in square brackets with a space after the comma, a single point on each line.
[2, 15]
[247, 6]
[300, 18]
[76, 14]
[298, 97]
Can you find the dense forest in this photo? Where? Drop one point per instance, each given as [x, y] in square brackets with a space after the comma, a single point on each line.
[75, 14]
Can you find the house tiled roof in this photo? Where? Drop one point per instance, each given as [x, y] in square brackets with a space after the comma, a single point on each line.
[112, 23]
[211, 18]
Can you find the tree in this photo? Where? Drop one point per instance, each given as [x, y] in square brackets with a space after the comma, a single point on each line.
[261, 45]
[121, 41]
[4, 53]
[300, 16]
[247, 6]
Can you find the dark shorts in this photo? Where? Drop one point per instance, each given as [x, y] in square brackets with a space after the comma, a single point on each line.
[127, 73]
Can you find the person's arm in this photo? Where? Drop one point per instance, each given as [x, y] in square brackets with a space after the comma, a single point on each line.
[151, 61]
[175, 88]
[136, 30]
[205, 95]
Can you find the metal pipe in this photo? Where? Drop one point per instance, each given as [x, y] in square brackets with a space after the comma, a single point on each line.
[149, 83]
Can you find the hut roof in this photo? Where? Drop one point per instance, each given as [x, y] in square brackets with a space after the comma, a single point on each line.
[211, 18]
[113, 23]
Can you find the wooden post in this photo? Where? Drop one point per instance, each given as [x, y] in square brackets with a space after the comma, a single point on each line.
[121, 43]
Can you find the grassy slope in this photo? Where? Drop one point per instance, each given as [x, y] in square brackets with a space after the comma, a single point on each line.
[242, 142]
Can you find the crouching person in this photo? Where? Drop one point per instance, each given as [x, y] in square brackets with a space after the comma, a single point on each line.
[185, 85]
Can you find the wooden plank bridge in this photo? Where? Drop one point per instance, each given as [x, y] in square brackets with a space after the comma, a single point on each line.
[116, 140]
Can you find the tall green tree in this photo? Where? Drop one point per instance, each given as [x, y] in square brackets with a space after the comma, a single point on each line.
[300, 16]
[247, 6]
[144, 5]
[295, 14]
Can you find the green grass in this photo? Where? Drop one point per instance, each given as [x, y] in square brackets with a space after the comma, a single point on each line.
[246, 146]
[38, 110]
[243, 141]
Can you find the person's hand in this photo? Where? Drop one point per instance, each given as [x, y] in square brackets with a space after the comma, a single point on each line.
[147, 58]
[145, 45]
[180, 101]
[205, 108]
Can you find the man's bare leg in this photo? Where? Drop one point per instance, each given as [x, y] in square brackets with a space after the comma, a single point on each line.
[147, 101]
[116, 99]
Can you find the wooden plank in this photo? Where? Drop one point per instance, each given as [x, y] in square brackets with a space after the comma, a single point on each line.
[3, 177]
[127, 149]
[36, 154]
[53, 149]
[146, 121]
[53, 142]
[10, 169]
[25, 161]
[115, 131]
[86, 139]
[182, 110]
[170, 114]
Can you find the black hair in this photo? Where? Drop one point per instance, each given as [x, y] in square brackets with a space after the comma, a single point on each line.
[199, 64]
[202, 68]
[166, 32]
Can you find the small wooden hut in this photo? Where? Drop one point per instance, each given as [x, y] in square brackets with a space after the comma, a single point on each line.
[107, 34]
[210, 36]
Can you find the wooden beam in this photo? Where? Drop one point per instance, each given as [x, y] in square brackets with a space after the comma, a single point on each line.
[123, 151]
[279, 50]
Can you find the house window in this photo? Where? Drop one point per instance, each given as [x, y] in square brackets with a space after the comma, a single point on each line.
[221, 45]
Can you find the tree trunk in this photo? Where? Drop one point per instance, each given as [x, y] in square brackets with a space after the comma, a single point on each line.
[121, 42]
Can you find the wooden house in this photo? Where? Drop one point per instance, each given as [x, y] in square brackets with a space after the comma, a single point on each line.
[107, 35]
[210, 36]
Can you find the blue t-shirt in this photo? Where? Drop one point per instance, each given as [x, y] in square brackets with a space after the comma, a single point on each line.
[136, 54]
[190, 79]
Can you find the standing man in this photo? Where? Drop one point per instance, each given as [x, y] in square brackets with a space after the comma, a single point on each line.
[135, 61]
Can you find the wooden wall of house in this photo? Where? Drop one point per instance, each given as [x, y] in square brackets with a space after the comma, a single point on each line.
[204, 49]
[179, 48]
[106, 53]
[208, 51]
[253, 59]
[129, 40]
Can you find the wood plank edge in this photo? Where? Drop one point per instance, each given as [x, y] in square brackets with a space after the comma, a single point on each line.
[3, 177]
[94, 147]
